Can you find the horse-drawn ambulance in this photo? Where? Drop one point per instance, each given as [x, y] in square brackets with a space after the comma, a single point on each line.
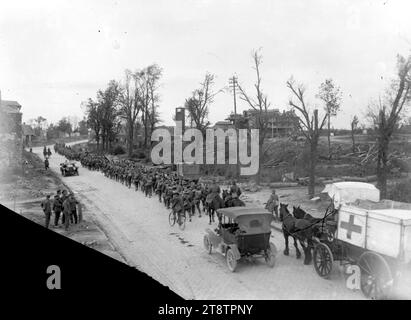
[365, 231]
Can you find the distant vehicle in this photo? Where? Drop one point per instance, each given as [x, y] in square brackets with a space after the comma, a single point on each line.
[68, 169]
[242, 232]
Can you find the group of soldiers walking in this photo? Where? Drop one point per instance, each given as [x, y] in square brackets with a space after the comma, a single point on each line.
[63, 204]
[182, 195]
[47, 155]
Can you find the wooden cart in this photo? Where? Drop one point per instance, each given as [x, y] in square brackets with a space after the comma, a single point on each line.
[373, 234]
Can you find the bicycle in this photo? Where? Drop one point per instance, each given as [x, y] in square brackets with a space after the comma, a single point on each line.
[172, 218]
[181, 219]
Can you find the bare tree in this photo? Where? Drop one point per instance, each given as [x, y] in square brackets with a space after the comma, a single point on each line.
[65, 126]
[154, 73]
[198, 104]
[149, 98]
[40, 121]
[39, 124]
[74, 120]
[109, 106]
[353, 124]
[130, 106]
[386, 116]
[94, 119]
[331, 95]
[260, 105]
[310, 127]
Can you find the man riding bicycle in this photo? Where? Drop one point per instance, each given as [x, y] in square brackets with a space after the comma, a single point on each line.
[177, 205]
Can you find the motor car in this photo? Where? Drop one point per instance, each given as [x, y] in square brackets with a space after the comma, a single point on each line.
[243, 232]
[69, 169]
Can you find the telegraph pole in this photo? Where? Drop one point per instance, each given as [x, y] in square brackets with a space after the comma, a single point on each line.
[233, 84]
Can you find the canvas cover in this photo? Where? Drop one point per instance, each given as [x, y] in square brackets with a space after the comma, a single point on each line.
[349, 191]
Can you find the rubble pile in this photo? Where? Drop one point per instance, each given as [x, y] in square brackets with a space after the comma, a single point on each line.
[250, 187]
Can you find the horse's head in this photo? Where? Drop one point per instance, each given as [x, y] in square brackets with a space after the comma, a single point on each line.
[298, 212]
[283, 210]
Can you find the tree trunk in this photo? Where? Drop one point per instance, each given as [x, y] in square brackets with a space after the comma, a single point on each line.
[130, 139]
[145, 133]
[103, 142]
[353, 140]
[313, 163]
[98, 142]
[260, 162]
[107, 140]
[382, 166]
[329, 136]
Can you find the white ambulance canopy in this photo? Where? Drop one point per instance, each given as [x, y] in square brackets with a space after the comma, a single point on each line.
[349, 191]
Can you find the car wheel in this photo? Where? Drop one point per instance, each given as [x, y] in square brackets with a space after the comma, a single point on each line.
[207, 244]
[270, 258]
[231, 260]
[270, 255]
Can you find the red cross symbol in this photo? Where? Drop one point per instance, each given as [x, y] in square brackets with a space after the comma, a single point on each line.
[350, 226]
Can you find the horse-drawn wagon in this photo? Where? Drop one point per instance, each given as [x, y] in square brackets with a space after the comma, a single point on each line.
[364, 231]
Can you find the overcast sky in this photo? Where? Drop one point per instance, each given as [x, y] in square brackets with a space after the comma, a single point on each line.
[56, 54]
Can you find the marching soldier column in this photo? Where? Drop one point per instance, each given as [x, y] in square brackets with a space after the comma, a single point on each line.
[182, 195]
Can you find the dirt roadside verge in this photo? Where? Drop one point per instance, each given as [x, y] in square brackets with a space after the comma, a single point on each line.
[22, 191]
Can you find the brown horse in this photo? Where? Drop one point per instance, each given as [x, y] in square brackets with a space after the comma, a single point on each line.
[212, 203]
[298, 229]
[299, 213]
[230, 201]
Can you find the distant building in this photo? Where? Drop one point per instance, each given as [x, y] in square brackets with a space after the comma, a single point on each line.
[224, 125]
[279, 123]
[28, 134]
[11, 117]
[10, 133]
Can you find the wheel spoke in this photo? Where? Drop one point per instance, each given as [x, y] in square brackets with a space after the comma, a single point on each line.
[322, 269]
[376, 278]
[369, 266]
[364, 268]
[367, 289]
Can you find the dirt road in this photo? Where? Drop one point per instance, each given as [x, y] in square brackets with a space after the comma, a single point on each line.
[138, 227]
